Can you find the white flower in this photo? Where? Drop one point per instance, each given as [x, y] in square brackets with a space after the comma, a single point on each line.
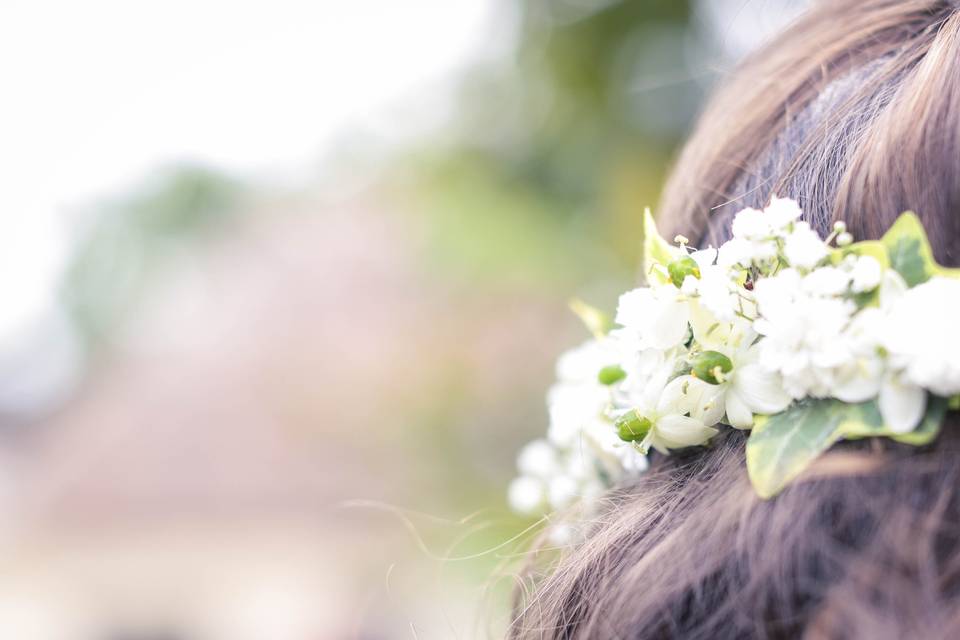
[615, 455]
[720, 294]
[866, 274]
[572, 406]
[538, 458]
[869, 374]
[921, 335]
[752, 389]
[742, 252]
[681, 412]
[527, 495]
[562, 491]
[753, 240]
[717, 288]
[860, 379]
[751, 224]
[704, 257]
[803, 247]
[756, 233]
[582, 452]
[781, 212]
[685, 414]
[749, 388]
[826, 282]
[658, 315]
[803, 333]
[901, 404]
[578, 398]
[582, 363]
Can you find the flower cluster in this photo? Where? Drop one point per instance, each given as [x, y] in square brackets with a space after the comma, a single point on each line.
[775, 324]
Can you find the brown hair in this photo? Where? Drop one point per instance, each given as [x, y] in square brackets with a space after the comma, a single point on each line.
[855, 112]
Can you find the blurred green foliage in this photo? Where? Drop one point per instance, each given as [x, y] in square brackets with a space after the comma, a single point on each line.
[133, 238]
[560, 149]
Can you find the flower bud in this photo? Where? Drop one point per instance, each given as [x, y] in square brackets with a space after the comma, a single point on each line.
[680, 268]
[610, 375]
[710, 366]
[632, 427]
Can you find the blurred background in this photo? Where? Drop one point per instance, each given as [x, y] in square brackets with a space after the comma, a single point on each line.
[281, 286]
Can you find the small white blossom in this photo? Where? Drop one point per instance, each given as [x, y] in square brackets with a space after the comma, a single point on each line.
[741, 252]
[538, 459]
[578, 398]
[752, 389]
[720, 294]
[866, 274]
[803, 333]
[871, 375]
[826, 282]
[860, 378]
[751, 224]
[756, 234]
[527, 495]
[562, 491]
[803, 247]
[581, 364]
[920, 335]
[901, 404]
[571, 407]
[658, 315]
[782, 212]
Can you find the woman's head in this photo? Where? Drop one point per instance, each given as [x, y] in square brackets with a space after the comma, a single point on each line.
[854, 112]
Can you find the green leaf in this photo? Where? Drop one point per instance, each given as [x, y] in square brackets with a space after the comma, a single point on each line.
[782, 446]
[868, 423]
[873, 248]
[656, 250]
[597, 322]
[909, 251]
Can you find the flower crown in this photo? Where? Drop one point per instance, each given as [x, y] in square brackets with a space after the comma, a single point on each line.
[802, 340]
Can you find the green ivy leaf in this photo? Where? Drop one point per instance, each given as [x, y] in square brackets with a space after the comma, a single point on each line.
[782, 446]
[909, 251]
[873, 248]
[656, 250]
[868, 423]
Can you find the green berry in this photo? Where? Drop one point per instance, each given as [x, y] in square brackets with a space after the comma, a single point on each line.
[710, 366]
[632, 427]
[610, 375]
